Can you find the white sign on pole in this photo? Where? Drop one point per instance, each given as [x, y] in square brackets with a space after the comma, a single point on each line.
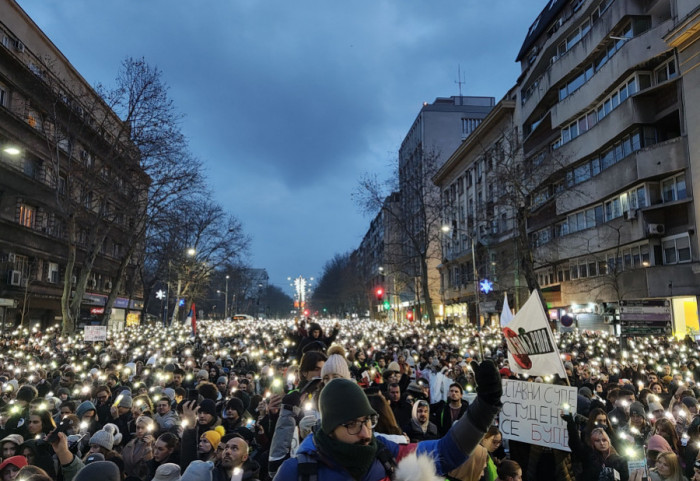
[95, 333]
[532, 413]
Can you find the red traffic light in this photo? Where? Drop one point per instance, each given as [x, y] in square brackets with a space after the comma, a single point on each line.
[409, 315]
[379, 293]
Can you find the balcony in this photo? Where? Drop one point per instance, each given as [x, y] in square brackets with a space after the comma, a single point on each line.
[648, 163]
[600, 30]
[635, 52]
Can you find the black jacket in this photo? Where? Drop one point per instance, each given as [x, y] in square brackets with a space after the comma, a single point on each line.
[592, 462]
[441, 416]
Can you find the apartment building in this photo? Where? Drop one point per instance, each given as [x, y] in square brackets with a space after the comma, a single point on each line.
[608, 100]
[437, 131]
[66, 177]
[480, 257]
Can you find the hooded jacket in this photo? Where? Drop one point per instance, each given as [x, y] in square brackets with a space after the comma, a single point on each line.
[309, 338]
[420, 432]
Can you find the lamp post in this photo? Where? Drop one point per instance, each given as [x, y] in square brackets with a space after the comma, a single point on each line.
[226, 299]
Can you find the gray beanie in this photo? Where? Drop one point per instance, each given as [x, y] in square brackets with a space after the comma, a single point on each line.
[103, 439]
[102, 470]
[198, 471]
[167, 472]
[342, 400]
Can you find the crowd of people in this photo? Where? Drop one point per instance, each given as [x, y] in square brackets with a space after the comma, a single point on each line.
[317, 401]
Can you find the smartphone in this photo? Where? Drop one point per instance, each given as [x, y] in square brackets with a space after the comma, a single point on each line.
[62, 427]
[192, 395]
[311, 386]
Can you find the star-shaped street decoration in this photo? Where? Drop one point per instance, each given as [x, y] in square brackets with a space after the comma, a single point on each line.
[160, 294]
[486, 286]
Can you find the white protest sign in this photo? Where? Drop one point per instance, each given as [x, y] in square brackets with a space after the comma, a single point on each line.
[95, 333]
[532, 413]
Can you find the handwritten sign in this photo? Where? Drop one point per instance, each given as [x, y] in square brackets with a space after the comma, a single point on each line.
[532, 413]
[95, 333]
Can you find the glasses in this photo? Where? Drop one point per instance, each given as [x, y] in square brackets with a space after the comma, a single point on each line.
[354, 427]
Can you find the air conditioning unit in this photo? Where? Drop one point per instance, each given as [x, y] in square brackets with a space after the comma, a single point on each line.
[630, 214]
[15, 278]
[656, 229]
[91, 283]
[19, 46]
[553, 59]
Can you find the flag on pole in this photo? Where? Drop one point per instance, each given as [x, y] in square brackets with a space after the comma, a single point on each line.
[506, 315]
[531, 346]
[192, 318]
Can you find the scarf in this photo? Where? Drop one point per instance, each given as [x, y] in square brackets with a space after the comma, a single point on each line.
[356, 459]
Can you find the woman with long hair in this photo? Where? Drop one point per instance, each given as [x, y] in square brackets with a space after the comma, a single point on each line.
[40, 423]
[492, 441]
[667, 468]
[598, 457]
[473, 468]
[665, 428]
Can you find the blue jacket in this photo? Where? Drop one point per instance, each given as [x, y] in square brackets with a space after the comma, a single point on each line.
[445, 452]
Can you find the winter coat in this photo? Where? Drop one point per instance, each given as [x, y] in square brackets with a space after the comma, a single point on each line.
[593, 463]
[169, 422]
[441, 416]
[190, 442]
[251, 472]
[136, 454]
[416, 433]
[445, 452]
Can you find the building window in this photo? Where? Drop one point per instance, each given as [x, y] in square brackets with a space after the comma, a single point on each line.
[3, 96]
[27, 215]
[676, 249]
[53, 275]
[674, 188]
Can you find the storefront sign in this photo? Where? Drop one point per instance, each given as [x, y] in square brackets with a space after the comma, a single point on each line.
[97, 310]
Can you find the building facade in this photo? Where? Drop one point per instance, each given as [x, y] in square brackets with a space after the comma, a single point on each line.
[480, 258]
[68, 178]
[437, 131]
[608, 102]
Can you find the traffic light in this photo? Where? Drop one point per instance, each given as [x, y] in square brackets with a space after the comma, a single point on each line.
[409, 315]
[387, 305]
[379, 292]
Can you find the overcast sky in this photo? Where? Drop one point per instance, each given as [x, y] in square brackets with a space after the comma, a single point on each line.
[288, 103]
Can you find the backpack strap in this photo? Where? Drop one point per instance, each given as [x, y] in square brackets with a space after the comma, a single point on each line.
[307, 467]
[387, 459]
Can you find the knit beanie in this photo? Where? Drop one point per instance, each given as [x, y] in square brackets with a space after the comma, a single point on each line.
[103, 439]
[655, 406]
[208, 406]
[237, 405]
[102, 470]
[167, 472]
[214, 437]
[342, 400]
[690, 401]
[84, 407]
[127, 401]
[222, 379]
[637, 408]
[336, 364]
[198, 471]
[393, 366]
[27, 393]
[658, 443]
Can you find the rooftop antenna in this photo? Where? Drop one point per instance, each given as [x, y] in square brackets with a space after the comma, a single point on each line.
[460, 82]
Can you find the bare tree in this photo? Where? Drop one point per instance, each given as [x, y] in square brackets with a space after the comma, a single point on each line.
[418, 223]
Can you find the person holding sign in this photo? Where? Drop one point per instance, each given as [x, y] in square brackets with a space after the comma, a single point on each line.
[600, 461]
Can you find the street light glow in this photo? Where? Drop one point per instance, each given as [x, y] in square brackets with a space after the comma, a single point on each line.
[11, 150]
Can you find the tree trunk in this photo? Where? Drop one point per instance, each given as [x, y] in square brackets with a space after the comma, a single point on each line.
[526, 260]
[426, 291]
[68, 323]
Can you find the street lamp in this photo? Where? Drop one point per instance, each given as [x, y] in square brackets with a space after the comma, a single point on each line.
[448, 230]
[226, 298]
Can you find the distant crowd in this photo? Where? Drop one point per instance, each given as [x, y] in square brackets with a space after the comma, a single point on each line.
[315, 400]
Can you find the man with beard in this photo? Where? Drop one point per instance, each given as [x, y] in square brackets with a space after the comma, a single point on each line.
[420, 428]
[235, 457]
[444, 414]
[345, 446]
[400, 407]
